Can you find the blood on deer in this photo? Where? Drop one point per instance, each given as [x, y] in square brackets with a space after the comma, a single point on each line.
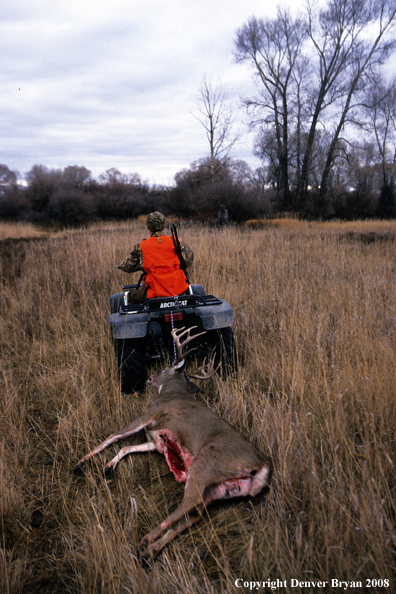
[203, 451]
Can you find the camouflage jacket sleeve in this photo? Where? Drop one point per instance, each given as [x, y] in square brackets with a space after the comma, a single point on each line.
[187, 253]
[134, 261]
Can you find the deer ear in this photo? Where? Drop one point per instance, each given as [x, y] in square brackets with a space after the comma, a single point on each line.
[179, 365]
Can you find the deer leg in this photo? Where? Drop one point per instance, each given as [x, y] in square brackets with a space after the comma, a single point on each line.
[136, 425]
[152, 550]
[143, 447]
[192, 500]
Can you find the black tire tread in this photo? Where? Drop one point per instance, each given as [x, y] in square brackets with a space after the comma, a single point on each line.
[131, 364]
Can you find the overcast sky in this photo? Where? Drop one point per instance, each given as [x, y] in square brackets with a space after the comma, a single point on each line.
[114, 83]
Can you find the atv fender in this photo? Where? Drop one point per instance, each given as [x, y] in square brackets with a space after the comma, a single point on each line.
[216, 316]
[131, 326]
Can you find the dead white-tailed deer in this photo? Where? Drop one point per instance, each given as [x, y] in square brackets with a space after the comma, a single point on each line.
[203, 451]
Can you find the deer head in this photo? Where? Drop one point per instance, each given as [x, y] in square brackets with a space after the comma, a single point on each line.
[176, 375]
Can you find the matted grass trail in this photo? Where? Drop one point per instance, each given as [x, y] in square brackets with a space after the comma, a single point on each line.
[315, 326]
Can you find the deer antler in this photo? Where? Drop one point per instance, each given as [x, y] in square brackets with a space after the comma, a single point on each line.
[177, 334]
[205, 374]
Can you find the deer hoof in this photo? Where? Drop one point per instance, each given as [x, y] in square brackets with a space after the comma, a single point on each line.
[148, 554]
[148, 551]
[108, 471]
[79, 470]
[145, 561]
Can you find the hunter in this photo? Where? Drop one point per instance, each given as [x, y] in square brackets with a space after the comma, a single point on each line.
[156, 257]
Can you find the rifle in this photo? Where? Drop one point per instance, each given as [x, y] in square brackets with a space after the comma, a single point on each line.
[178, 250]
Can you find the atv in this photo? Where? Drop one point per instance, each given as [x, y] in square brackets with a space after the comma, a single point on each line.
[142, 332]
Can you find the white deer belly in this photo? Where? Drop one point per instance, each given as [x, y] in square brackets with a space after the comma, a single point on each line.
[233, 487]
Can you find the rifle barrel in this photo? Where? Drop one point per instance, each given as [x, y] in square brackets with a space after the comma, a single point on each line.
[179, 251]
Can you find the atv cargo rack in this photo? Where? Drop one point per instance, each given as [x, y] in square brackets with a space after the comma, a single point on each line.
[165, 304]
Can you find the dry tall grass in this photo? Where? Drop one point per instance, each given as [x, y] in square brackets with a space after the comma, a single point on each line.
[18, 230]
[316, 335]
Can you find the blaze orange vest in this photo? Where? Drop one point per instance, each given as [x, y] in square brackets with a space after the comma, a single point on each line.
[163, 274]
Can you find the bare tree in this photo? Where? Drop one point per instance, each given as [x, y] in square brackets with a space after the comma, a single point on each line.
[351, 39]
[113, 176]
[273, 48]
[381, 111]
[76, 176]
[312, 75]
[217, 119]
[7, 177]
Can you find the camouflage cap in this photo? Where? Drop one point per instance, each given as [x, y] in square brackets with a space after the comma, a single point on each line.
[155, 221]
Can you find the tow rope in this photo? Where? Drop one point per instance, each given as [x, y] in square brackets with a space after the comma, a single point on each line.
[177, 306]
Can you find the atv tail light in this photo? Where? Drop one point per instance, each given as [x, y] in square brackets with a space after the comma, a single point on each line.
[177, 317]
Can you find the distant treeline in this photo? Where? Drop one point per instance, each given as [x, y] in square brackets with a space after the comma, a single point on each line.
[71, 197]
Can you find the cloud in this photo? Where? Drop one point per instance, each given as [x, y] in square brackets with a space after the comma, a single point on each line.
[113, 83]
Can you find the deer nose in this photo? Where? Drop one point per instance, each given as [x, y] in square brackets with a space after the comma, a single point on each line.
[151, 379]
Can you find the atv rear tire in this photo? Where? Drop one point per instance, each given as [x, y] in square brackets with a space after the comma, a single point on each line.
[131, 365]
[223, 343]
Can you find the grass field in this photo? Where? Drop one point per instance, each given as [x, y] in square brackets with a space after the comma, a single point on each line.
[315, 326]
